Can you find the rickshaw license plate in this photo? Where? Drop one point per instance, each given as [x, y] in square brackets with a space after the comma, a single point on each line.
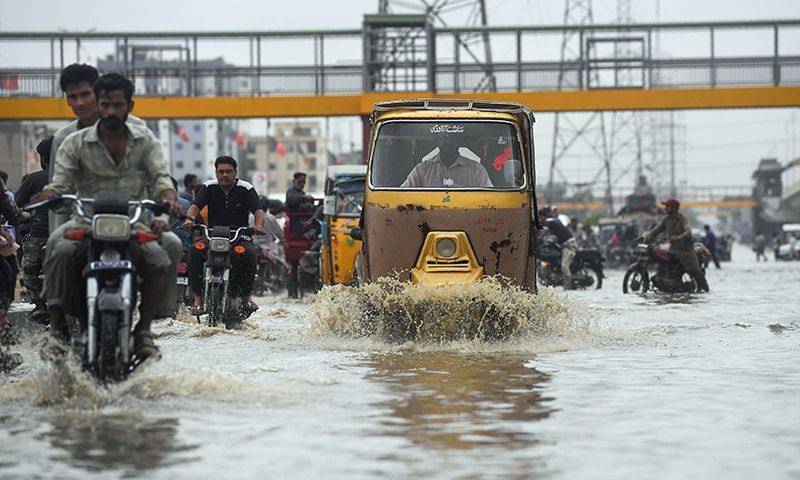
[183, 280]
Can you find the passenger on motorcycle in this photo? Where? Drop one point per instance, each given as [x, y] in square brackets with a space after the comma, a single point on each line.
[230, 202]
[111, 156]
[565, 239]
[676, 225]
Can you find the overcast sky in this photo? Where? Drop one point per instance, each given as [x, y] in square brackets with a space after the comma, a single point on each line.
[721, 147]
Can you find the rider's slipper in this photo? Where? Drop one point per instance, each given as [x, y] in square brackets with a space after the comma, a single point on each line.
[145, 347]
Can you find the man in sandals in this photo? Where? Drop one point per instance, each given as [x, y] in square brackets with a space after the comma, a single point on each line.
[110, 156]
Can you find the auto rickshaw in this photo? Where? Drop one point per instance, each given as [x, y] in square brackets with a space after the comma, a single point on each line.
[450, 196]
[344, 197]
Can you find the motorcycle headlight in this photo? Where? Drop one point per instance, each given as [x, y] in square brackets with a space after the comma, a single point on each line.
[111, 227]
[219, 244]
[446, 247]
[110, 257]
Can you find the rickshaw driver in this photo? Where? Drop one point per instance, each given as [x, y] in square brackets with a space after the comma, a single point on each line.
[447, 169]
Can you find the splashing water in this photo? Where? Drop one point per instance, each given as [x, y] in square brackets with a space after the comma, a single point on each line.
[395, 311]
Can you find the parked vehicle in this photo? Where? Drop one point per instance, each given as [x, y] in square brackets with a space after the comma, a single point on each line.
[344, 198]
[103, 334]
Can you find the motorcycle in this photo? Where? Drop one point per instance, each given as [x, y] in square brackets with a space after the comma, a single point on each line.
[272, 266]
[309, 270]
[670, 276]
[182, 295]
[586, 267]
[221, 307]
[104, 334]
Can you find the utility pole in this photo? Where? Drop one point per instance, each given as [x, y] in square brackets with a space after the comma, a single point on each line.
[573, 130]
[672, 190]
[476, 46]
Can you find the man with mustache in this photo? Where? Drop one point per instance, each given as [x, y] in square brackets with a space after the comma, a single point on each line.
[77, 81]
[111, 156]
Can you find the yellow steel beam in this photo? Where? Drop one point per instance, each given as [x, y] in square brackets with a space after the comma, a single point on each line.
[339, 105]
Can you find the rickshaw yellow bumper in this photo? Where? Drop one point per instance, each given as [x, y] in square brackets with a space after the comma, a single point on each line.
[446, 258]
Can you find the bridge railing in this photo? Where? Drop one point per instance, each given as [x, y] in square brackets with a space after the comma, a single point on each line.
[331, 61]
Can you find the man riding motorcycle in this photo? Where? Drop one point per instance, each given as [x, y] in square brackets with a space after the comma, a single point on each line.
[111, 156]
[676, 225]
[565, 239]
[230, 202]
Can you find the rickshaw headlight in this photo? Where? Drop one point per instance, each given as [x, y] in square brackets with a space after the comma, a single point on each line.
[446, 247]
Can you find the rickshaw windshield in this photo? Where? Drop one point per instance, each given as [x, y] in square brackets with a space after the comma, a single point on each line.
[349, 197]
[447, 155]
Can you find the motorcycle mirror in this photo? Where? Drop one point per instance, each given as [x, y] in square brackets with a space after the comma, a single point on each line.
[356, 233]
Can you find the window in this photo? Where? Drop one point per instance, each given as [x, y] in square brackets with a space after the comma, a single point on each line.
[312, 181]
[198, 165]
[480, 154]
[198, 127]
[291, 147]
[272, 166]
[273, 184]
[198, 146]
[179, 165]
[179, 146]
[290, 166]
[311, 147]
[312, 163]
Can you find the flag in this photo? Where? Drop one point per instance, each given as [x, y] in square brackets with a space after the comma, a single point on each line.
[240, 139]
[180, 132]
[276, 146]
[334, 159]
[9, 82]
[302, 154]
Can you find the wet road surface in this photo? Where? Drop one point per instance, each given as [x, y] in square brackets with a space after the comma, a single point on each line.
[618, 387]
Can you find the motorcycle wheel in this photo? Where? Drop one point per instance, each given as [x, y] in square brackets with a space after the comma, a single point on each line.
[598, 277]
[214, 297]
[108, 365]
[636, 280]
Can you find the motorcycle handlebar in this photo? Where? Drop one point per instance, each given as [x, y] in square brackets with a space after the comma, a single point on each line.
[238, 231]
[56, 201]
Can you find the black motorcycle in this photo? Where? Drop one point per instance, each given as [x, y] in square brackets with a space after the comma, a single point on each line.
[104, 331]
[586, 267]
[669, 277]
[218, 303]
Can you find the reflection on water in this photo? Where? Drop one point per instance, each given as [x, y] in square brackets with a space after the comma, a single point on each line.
[118, 441]
[460, 401]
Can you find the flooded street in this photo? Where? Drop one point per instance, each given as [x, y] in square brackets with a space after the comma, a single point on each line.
[618, 386]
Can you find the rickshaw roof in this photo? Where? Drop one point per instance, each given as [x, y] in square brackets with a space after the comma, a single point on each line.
[335, 171]
[443, 107]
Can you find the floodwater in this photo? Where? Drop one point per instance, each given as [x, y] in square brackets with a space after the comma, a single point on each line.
[594, 385]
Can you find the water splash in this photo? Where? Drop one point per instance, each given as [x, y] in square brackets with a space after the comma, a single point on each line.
[397, 312]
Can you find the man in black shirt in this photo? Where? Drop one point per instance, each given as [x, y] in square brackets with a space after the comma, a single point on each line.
[230, 202]
[568, 245]
[34, 242]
